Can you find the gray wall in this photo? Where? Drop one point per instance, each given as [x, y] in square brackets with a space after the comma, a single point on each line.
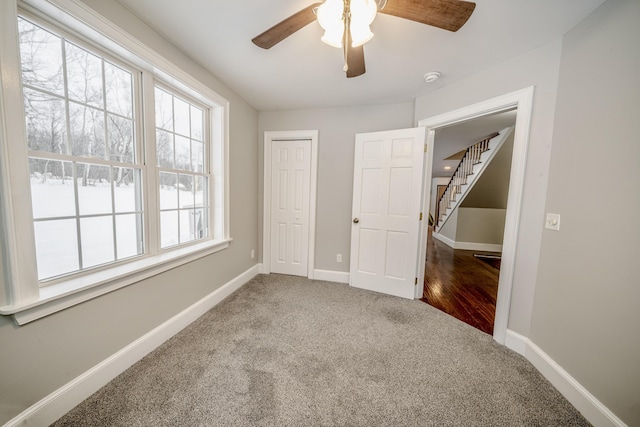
[337, 129]
[480, 225]
[492, 188]
[586, 311]
[475, 225]
[38, 358]
[539, 68]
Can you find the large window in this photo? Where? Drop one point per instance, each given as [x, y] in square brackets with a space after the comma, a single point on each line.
[124, 156]
[84, 169]
[183, 183]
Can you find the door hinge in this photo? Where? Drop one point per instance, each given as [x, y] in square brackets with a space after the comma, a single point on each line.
[425, 148]
[416, 282]
[420, 216]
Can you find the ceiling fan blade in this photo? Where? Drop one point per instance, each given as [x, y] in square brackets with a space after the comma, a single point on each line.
[284, 29]
[354, 57]
[355, 61]
[446, 14]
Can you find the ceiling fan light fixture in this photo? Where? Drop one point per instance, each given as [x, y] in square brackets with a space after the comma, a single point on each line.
[333, 36]
[360, 35]
[362, 13]
[331, 18]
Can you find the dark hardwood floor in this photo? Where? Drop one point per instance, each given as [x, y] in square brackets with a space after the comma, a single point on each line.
[461, 285]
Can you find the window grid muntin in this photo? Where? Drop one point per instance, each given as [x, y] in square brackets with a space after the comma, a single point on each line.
[204, 211]
[114, 214]
[105, 160]
[130, 54]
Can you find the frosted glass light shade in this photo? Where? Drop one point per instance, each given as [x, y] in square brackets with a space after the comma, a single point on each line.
[331, 19]
[334, 36]
[331, 16]
[363, 12]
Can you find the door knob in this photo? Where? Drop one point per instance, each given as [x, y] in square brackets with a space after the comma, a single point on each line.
[356, 220]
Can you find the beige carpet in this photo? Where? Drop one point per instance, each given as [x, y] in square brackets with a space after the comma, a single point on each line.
[287, 351]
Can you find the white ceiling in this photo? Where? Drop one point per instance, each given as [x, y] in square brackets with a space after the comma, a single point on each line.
[302, 72]
[450, 140]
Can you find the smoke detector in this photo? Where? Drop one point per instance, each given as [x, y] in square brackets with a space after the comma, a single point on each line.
[431, 76]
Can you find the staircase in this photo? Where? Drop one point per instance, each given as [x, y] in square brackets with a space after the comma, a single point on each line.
[471, 166]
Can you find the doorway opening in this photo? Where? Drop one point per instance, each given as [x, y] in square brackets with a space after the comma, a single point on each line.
[464, 253]
[521, 102]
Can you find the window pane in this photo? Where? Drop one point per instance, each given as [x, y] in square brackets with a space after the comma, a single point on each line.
[200, 191]
[97, 240]
[168, 191]
[56, 247]
[128, 234]
[201, 225]
[164, 110]
[187, 225]
[183, 153]
[186, 191]
[94, 189]
[119, 87]
[46, 124]
[181, 117]
[204, 216]
[87, 131]
[197, 127]
[52, 192]
[164, 151]
[168, 228]
[84, 76]
[120, 135]
[197, 156]
[125, 190]
[41, 57]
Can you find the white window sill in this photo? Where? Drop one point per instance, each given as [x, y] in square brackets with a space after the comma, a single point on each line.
[57, 297]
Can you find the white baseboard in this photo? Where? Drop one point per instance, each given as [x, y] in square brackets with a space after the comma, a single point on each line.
[590, 407]
[444, 239]
[516, 342]
[484, 247]
[468, 246]
[331, 276]
[61, 401]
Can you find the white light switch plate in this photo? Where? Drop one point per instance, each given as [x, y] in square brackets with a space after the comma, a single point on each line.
[552, 222]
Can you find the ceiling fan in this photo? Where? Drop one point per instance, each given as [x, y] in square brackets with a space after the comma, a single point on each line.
[346, 23]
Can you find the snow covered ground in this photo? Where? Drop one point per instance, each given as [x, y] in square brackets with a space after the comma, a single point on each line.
[108, 224]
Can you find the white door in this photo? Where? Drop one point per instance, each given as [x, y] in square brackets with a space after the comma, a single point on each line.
[290, 182]
[387, 185]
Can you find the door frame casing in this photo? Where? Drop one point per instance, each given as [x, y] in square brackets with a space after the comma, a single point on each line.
[522, 101]
[295, 135]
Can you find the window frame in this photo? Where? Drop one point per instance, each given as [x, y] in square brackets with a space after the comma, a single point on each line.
[26, 300]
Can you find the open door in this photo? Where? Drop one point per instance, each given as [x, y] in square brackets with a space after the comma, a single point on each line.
[387, 190]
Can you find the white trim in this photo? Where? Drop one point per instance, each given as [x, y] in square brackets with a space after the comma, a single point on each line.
[472, 246]
[522, 100]
[468, 246]
[332, 276]
[61, 401]
[516, 342]
[269, 136]
[17, 228]
[588, 405]
[444, 239]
